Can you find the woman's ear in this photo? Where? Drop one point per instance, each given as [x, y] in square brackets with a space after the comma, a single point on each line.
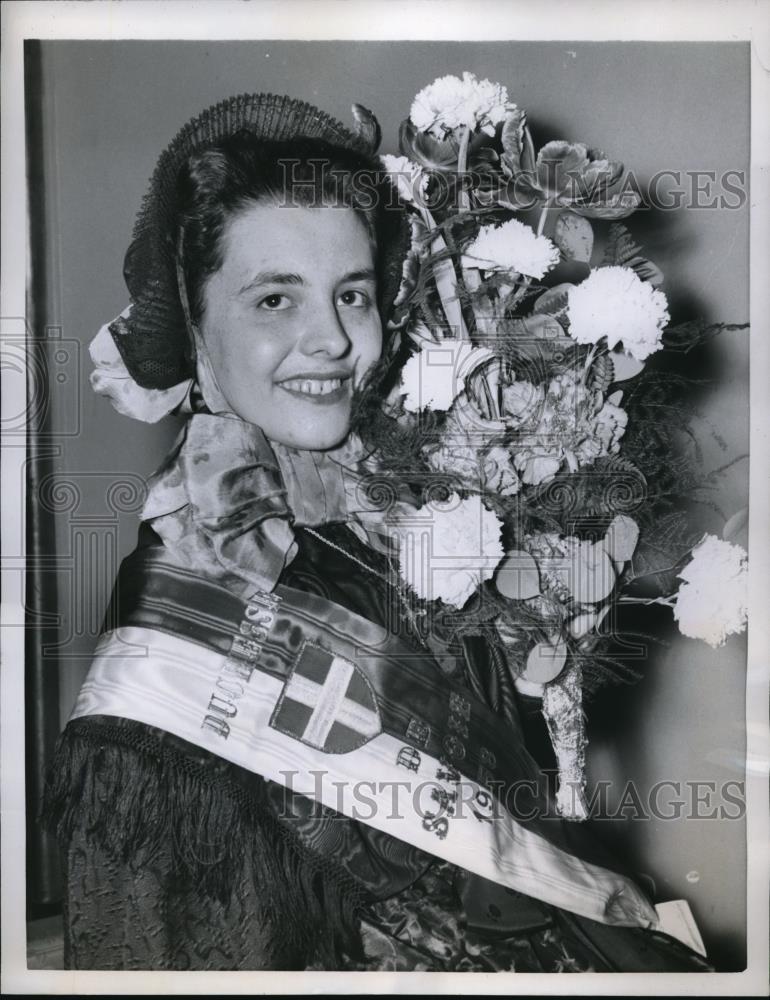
[206, 377]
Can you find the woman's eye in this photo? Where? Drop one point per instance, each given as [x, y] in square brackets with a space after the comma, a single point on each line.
[354, 297]
[275, 302]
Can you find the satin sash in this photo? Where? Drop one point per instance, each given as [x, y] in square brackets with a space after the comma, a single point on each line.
[297, 689]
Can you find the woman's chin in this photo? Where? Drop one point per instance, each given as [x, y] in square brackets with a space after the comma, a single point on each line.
[308, 423]
[320, 435]
[318, 442]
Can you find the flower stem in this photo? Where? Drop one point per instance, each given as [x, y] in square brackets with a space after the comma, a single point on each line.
[519, 295]
[464, 200]
[667, 602]
[521, 292]
[589, 361]
[445, 278]
[657, 572]
[543, 216]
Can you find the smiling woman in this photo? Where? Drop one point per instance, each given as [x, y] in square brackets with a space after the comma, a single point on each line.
[225, 790]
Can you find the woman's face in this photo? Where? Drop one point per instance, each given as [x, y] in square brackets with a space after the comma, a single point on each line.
[290, 320]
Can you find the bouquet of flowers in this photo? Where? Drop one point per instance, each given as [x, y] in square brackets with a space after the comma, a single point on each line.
[545, 488]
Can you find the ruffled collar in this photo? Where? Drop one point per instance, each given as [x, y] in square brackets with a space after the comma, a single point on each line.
[226, 501]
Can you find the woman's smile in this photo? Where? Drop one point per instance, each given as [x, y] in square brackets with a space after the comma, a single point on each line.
[324, 390]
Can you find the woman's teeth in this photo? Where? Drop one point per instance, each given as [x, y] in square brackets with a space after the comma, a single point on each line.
[313, 387]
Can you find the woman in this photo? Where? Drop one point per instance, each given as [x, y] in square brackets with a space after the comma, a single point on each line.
[227, 790]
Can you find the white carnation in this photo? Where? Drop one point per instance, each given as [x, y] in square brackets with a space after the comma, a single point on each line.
[498, 471]
[521, 401]
[447, 553]
[407, 176]
[565, 423]
[603, 434]
[712, 601]
[450, 102]
[511, 247]
[615, 303]
[436, 374]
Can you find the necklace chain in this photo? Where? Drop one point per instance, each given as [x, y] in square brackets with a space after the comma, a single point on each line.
[393, 579]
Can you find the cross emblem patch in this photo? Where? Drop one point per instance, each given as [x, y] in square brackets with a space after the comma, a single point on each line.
[327, 702]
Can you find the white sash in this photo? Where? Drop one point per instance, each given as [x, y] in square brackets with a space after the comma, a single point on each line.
[169, 682]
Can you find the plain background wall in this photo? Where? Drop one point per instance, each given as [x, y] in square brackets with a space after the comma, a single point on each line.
[108, 108]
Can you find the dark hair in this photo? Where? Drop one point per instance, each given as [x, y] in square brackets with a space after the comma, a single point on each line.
[244, 170]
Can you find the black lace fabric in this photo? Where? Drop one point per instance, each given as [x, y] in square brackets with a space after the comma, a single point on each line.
[137, 914]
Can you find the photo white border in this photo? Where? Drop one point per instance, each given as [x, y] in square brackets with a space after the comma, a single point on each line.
[436, 20]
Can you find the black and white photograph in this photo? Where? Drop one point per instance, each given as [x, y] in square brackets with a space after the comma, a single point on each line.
[384, 497]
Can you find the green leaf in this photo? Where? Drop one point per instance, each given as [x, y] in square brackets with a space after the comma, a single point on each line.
[593, 576]
[542, 327]
[425, 150]
[529, 688]
[646, 270]
[534, 344]
[602, 172]
[620, 247]
[625, 366]
[528, 158]
[517, 577]
[602, 373]
[686, 336]
[367, 128]
[574, 236]
[483, 157]
[445, 278]
[619, 206]
[735, 523]
[558, 162]
[621, 538]
[553, 302]
[602, 614]
[509, 635]
[545, 662]
[512, 136]
[518, 198]
[581, 625]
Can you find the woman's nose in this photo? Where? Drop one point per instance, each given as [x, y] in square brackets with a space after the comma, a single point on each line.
[326, 334]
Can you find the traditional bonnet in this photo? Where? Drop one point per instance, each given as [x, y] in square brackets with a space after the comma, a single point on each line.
[153, 337]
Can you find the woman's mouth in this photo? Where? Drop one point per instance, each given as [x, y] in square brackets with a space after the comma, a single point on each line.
[318, 390]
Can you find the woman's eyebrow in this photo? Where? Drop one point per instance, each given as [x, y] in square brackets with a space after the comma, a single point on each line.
[365, 274]
[281, 278]
[272, 278]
